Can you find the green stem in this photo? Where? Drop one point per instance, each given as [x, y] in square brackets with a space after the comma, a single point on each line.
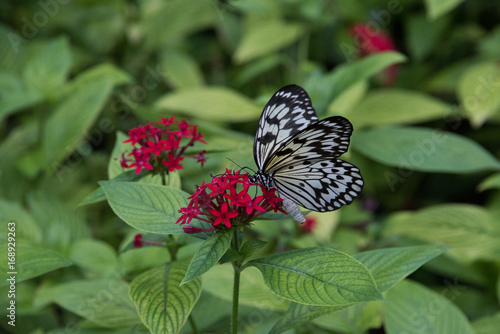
[236, 287]
[236, 295]
[163, 178]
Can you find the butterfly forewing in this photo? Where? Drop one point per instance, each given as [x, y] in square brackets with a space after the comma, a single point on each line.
[328, 138]
[287, 113]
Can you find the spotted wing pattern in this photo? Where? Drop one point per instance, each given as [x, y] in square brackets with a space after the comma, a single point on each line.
[287, 113]
[305, 168]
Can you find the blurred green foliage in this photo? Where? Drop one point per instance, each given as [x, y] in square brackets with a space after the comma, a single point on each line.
[76, 75]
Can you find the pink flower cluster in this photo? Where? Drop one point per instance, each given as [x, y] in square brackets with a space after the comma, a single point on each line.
[227, 200]
[158, 148]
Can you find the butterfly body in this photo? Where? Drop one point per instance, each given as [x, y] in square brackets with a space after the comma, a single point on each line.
[296, 153]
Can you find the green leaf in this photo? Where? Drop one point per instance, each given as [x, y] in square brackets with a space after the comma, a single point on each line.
[26, 228]
[103, 302]
[346, 75]
[264, 38]
[479, 92]
[210, 103]
[437, 8]
[31, 261]
[146, 207]
[181, 70]
[470, 230]
[252, 246]
[175, 19]
[391, 265]
[413, 308]
[492, 182]
[300, 314]
[101, 72]
[163, 304]
[72, 119]
[358, 318]
[47, 70]
[318, 276]
[487, 324]
[98, 195]
[396, 106]
[423, 34]
[95, 256]
[209, 253]
[15, 95]
[253, 290]
[114, 167]
[423, 149]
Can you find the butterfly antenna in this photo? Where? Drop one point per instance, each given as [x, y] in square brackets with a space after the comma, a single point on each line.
[241, 168]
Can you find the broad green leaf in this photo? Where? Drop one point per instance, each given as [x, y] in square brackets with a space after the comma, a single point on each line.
[14, 95]
[470, 230]
[437, 8]
[47, 70]
[391, 265]
[59, 225]
[489, 45]
[140, 259]
[211, 103]
[104, 302]
[487, 324]
[396, 106]
[98, 195]
[175, 19]
[479, 92]
[209, 253]
[26, 228]
[146, 207]
[258, 67]
[413, 308]
[301, 314]
[423, 34]
[181, 70]
[163, 304]
[114, 167]
[318, 276]
[252, 246]
[263, 38]
[31, 261]
[253, 290]
[95, 256]
[71, 120]
[343, 77]
[492, 182]
[348, 99]
[358, 318]
[103, 71]
[423, 149]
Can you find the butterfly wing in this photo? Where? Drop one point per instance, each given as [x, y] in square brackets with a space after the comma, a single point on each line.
[287, 113]
[305, 168]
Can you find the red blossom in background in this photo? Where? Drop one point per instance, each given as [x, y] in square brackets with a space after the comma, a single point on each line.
[369, 41]
[158, 148]
[138, 240]
[227, 201]
[309, 225]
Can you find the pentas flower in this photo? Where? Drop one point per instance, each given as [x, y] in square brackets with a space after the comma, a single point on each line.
[158, 147]
[227, 201]
[370, 41]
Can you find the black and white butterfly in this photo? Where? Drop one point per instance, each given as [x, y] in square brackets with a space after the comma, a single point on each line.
[296, 154]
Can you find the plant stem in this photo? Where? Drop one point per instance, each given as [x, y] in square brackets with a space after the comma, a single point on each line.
[236, 286]
[236, 294]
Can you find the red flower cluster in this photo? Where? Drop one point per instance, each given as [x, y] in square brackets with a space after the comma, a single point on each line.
[159, 148]
[227, 200]
[369, 41]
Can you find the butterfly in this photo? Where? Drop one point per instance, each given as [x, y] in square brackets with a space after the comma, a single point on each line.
[296, 154]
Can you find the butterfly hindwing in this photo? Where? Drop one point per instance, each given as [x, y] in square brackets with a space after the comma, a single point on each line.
[324, 185]
[287, 113]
